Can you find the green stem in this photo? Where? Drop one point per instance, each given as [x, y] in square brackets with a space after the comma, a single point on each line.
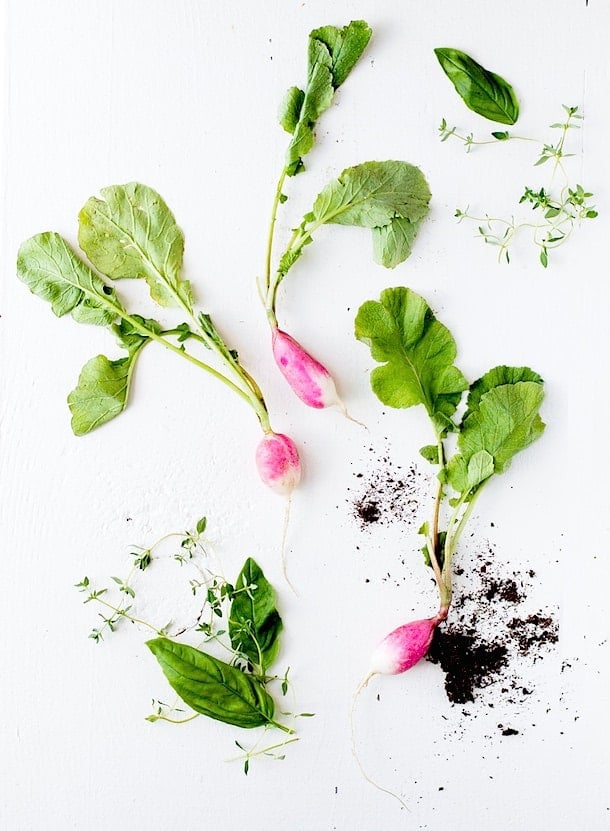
[177, 720]
[456, 526]
[119, 611]
[276, 203]
[282, 727]
[258, 406]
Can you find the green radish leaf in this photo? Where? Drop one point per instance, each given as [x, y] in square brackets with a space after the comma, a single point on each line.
[483, 92]
[373, 194]
[212, 687]
[254, 622]
[390, 197]
[505, 422]
[345, 46]
[497, 377]
[290, 109]
[332, 54]
[52, 270]
[392, 243]
[430, 453]
[101, 392]
[131, 233]
[103, 385]
[480, 467]
[417, 353]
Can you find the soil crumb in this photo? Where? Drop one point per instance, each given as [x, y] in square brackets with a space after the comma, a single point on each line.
[488, 634]
[389, 493]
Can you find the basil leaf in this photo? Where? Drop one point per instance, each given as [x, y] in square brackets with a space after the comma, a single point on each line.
[212, 687]
[131, 233]
[103, 385]
[332, 54]
[254, 622]
[417, 352]
[505, 422]
[52, 270]
[482, 91]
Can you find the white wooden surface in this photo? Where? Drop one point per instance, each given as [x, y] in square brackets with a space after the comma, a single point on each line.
[183, 95]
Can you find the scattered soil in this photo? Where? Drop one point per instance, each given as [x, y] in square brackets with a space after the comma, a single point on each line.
[492, 634]
[387, 494]
[491, 604]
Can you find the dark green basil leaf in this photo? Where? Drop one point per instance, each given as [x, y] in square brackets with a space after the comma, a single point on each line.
[482, 91]
[212, 687]
[254, 622]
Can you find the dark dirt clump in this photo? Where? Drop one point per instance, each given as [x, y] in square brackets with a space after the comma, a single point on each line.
[468, 663]
[487, 634]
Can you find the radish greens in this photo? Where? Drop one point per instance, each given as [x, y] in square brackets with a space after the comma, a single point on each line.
[416, 353]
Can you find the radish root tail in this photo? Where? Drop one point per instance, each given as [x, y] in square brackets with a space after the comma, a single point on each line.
[372, 782]
[283, 544]
[349, 417]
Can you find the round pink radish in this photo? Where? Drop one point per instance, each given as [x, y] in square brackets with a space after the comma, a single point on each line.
[404, 647]
[278, 463]
[309, 379]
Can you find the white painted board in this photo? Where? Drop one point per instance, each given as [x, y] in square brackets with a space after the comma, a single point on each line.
[183, 96]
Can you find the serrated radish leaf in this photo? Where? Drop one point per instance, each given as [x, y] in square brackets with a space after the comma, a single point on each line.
[372, 194]
[53, 271]
[131, 233]
[332, 54]
[496, 377]
[390, 197]
[212, 687]
[392, 243]
[505, 422]
[254, 622]
[483, 92]
[417, 353]
[103, 385]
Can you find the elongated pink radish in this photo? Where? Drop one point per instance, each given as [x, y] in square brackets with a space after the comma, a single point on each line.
[278, 463]
[309, 379]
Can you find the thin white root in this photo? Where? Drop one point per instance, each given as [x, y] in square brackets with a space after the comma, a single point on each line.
[379, 787]
[283, 547]
[349, 417]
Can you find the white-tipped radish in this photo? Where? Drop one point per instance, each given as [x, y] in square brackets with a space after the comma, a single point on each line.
[279, 466]
[404, 647]
[278, 463]
[309, 379]
[399, 651]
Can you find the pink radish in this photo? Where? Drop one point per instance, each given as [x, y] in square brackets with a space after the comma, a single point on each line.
[403, 648]
[278, 463]
[399, 651]
[279, 466]
[309, 379]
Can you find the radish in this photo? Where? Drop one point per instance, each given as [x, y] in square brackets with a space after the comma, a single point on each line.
[278, 463]
[279, 466]
[403, 648]
[397, 652]
[308, 378]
